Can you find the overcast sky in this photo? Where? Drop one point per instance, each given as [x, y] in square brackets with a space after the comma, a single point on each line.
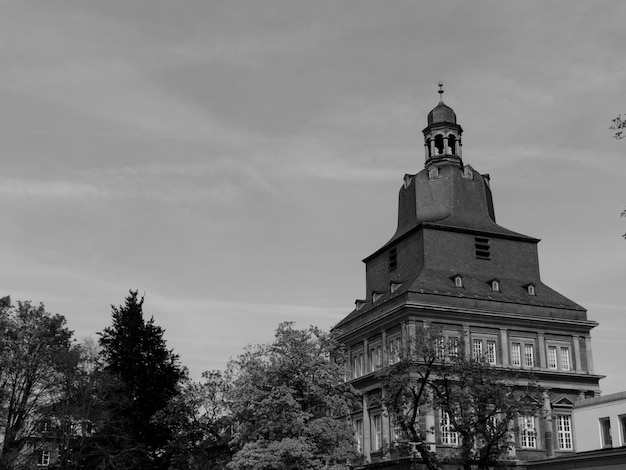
[236, 160]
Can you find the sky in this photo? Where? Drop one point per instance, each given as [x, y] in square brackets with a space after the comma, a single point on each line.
[235, 161]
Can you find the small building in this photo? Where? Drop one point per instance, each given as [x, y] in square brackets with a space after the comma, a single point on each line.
[600, 422]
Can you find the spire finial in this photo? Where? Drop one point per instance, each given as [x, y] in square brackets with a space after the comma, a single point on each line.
[440, 91]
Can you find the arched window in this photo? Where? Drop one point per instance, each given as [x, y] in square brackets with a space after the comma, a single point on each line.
[495, 285]
[439, 144]
[531, 289]
[452, 144]
[458, 281]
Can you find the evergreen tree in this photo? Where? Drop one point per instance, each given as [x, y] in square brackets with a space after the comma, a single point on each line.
[141, 376]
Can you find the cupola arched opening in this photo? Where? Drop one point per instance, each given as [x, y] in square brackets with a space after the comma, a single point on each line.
[452, 143]
[439, 144]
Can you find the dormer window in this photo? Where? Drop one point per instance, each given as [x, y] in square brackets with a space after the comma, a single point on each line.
[376, 296]
[495, 285]
[394, 286]
[393, 259]
[530, 288]
[458, 281]
[359, 304]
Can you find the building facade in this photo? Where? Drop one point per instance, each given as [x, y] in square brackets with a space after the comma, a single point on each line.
[450, 265]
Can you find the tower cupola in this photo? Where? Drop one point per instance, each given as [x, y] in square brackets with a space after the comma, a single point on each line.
[442, 136]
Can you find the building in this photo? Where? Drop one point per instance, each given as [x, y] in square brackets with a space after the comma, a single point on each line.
[451, 265]
[599, 438]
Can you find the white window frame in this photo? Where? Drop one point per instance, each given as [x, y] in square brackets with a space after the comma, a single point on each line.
[564, 432]
[375, 356]
[606, 434]
[376, 434]
[527, 432]
[523, 352]
[562, 351]
[357, 364]
[394, 348]
[43, 460]
[552, 357]
[484, 346]
[358, 434]
[448, 437]
[565, 357]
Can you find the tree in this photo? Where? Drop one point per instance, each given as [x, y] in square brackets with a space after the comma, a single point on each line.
[285, 400]
[35, 351]
[482, 403]
[618, 125]
[142, 375]
[200, 424]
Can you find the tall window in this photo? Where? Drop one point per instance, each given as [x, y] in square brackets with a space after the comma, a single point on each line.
[484, 348]
[491, 352]
[43, 459]
[358, 431]
[357, 365]
[448, 436]
[528, 434]
[605, 432]
[552, 357]
[377, 432]
[453, 347]
[564, 430]
[565, 362]
[516, 354]
[529, 355]
[393, 349]
[477, 348]
[376, 358]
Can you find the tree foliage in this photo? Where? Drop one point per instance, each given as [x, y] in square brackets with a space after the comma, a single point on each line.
[483, 402]
[141, 376]
[284, 401]
[35, 352]
[619, 124]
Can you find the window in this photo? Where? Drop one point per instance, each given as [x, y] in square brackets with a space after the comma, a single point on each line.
[530, 289]
[559, 357]
[458, 281]
[516, 354]
[448, 436]
[376, 357]
[357, 365]
[482, 248]
[491, 351]
[605, 432]
[565, 358]
[393, 259]
[622, 425]
[564, 430]
[484, 348]
[393, 349]
[358, 431]
[376, 296]
[477, 348]
[552, 357]
[523, 353]
[528, 433]
[377, 432]
[495, 285]
[529, 355]
[43, 459]
[394, 286]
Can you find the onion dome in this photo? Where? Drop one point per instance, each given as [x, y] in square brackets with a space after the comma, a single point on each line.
[441, 112]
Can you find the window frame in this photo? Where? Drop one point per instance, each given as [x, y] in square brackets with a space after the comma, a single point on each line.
[522, 345]
[376, 432]
[565, 439]
[358, 434]
[606, 436]
[43, 458]
[488, 348]
[357, 363]
[447, 436]
[527, 432]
